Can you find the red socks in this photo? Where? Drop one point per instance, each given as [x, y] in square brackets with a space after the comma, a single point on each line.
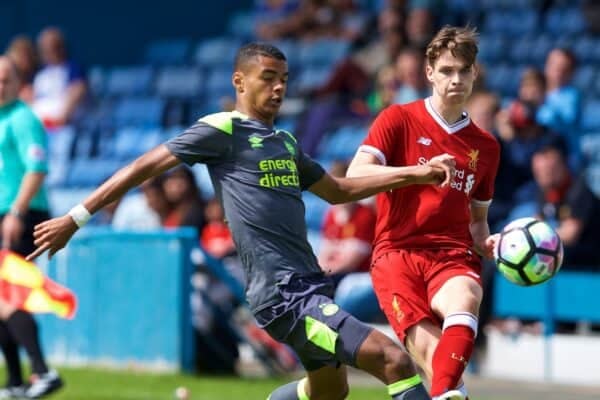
[451, 357]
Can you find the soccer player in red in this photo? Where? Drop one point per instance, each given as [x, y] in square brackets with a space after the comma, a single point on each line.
[429, 240]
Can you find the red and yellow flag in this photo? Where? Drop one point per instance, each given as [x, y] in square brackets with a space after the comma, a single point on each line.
[23, 285]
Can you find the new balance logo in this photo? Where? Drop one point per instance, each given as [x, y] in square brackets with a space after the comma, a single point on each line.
[424, 141]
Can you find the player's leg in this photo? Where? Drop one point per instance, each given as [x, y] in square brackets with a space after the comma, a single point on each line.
[326, 336]
[384, 359]
[326, 383]
[457, 302]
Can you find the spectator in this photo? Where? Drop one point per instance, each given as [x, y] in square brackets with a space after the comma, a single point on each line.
[520, 136]
[216, 238]
[384, 92]
[183, 194]
[23, 204]
[420, 24]
[59, 88]
[345, 253]
[562, 104]
[145, 211]
[410, 72]
[570, 206]
[21, 51]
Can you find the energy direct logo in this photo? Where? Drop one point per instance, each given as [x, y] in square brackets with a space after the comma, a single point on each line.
[281, 172]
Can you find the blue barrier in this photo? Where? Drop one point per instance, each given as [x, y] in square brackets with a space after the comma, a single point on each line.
[570, 296]
[133, 291]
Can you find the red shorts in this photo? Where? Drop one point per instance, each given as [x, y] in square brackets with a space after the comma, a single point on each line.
[405, 281]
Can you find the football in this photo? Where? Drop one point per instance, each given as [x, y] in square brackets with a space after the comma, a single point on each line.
[529, 252]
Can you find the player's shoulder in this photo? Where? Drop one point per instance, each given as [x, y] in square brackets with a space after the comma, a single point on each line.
[223, 121]
[487, 137]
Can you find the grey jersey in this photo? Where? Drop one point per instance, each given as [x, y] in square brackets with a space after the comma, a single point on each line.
[258, 173]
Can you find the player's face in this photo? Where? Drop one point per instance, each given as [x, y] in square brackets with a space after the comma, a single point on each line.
[262, 85]
[452, 79]
[9, 85]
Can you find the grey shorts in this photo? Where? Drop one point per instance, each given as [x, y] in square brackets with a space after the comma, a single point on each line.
[319, 331]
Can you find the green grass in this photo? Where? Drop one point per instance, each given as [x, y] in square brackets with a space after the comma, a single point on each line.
[99, 384]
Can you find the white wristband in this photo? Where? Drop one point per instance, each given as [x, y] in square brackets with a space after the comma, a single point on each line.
[80, 215]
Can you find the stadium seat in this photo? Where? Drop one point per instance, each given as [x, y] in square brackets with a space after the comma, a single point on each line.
[144, 112]
[134, 80]
[323, 52]
[584, 77]
[167, 52]
[62, 199]
[91, 172]
[241, 25]
[179, 82]
[203, 181]
[315, 210]
[343, 143]
[492, 48]
[218, 82]
[564, 21]
[131, 142]
[96, 78]
[311, 78]
[217, 52]
[590, 116]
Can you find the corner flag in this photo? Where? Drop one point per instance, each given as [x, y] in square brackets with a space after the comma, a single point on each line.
[24, 286]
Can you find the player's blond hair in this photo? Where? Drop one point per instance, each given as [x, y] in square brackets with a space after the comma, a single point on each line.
[462, 43]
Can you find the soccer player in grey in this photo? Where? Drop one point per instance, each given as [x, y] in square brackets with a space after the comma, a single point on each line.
[258, 173]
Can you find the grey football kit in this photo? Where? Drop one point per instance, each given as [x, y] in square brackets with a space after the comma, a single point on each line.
[258, 173]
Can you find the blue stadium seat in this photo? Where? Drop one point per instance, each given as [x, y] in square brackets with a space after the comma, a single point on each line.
[291, 49]
[63, 199]
[585, 48]
[590, 116]
[133, 80]
[179, 82]
[241, 25]
[131, 142]
[217, 52]
[168, 52]
[91, 172]
[311, 78]
[218, 82]
[492, 48]
[323, 52]
[96, 78]
[593, 178]
[143, 111]
[203, 181]
[590, 148]
[315, 210]
[343, 143]
[564, 21]
[584, 77]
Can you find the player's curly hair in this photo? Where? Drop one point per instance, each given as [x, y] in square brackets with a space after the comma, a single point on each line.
[461, 41]
[251, 50]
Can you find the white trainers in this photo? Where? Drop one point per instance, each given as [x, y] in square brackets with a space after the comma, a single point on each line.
[451, 395]
[12, 392]
[43, 385]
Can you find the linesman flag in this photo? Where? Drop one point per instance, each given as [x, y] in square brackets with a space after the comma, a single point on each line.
[24, 286]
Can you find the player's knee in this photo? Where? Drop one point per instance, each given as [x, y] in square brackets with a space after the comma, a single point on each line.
[462, 319]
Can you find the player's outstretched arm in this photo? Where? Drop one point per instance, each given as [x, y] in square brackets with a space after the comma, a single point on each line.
[341, 190]
[54, 234]
[367, 164]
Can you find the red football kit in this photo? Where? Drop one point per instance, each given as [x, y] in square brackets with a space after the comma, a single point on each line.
[422, 235]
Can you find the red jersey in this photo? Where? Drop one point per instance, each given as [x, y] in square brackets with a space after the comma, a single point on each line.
[360, 226]
[427, 216]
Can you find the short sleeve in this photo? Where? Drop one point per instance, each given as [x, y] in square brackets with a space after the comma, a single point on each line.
[32, 141]
[382, 139]
[309, 170]
[484, 192]
[208, 141]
